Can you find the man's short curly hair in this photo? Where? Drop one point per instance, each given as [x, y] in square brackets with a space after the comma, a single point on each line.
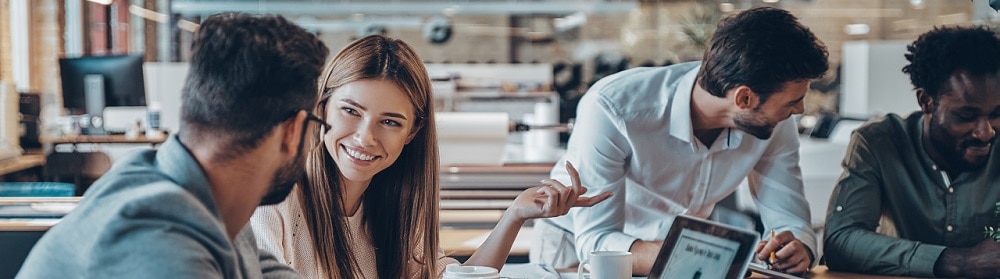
[938, 54]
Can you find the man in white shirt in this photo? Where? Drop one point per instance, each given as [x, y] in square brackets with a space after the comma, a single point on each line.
[678, 139]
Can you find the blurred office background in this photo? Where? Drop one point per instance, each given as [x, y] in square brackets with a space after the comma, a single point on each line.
[526, 61]
[580, 41]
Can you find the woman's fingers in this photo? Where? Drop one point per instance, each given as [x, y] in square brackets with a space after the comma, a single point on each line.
[551, 200]
[567, 196]
[559, 198]
[574, 176]
[591, 201]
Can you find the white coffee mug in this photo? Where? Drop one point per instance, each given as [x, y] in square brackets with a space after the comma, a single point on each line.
[607, 265]
[455, 271]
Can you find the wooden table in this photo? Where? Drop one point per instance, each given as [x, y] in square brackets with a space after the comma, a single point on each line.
[822, 271]
[20, 163]
[819, 272]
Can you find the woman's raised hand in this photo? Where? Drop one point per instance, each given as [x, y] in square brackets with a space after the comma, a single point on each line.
[553, 199]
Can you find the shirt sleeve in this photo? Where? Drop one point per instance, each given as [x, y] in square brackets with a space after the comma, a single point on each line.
[599, 150]
[776, 186]
[851, 243]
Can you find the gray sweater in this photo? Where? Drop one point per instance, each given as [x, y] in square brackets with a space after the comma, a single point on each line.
[151, 216]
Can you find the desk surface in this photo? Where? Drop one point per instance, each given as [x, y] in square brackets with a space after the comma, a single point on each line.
[535, 271]
[822, 271]
[103, 139]
[20, 163]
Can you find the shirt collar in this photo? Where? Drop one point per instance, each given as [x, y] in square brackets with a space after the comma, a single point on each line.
[179, 165]
[680, 116]
[680, 107]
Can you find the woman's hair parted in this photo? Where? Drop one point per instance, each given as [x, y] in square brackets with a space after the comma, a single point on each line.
[401, 202]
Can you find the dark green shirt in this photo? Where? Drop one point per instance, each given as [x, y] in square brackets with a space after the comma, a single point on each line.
[887, 172]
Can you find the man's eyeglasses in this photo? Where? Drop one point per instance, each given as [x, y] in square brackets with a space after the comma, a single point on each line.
[313, 117]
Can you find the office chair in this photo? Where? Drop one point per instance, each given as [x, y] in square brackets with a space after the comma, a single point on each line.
[80, 168]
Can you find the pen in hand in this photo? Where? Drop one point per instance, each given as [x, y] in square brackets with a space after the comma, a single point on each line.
[773, 259]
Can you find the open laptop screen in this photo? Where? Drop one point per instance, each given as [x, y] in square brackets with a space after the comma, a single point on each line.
[695, 248]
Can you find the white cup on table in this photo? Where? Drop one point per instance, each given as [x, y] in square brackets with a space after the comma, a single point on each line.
[455, 271]
[607, 265]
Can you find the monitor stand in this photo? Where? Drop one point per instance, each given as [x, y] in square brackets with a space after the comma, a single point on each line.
[93, 86]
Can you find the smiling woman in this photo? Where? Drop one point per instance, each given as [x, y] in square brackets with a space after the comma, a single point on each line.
[369, 205]
[374, 123]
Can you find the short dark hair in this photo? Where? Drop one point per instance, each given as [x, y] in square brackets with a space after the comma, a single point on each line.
[937, 54]
[762, 48]
[249, 73]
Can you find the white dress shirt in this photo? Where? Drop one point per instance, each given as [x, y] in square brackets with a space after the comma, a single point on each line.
[633, 137]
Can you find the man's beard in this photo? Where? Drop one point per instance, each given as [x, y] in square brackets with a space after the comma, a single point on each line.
[754, 124]
[286, 177]
[953, 149]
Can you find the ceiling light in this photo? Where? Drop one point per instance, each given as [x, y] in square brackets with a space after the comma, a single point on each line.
[857, 29]
[449, 11]
[190, 26]
[771, 1]
[148, 14]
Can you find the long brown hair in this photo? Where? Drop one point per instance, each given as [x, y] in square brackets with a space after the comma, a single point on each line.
[401, 202]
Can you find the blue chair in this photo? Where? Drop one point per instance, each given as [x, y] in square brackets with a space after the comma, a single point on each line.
[37, 189]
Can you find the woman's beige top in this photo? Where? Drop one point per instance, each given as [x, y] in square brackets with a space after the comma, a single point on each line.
[282, 230]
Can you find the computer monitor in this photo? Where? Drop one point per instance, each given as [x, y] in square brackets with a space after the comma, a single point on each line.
[91, 83]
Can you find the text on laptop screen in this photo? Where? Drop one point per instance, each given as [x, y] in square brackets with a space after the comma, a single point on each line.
[700, 255]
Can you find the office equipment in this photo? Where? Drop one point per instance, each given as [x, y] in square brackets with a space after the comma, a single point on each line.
[119, 120]
[30, 108]
[762, 269]
[93, 82]
[695, 248]
[472, 138]
[80, 168]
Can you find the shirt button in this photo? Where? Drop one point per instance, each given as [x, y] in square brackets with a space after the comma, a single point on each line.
[951, 189]
[934, 167]
[840, 208]
[950, 228]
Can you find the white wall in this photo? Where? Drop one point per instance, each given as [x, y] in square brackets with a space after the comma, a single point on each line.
[874, 82]
[164, 81]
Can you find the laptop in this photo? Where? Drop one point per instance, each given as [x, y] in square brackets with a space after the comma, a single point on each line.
[701, 249]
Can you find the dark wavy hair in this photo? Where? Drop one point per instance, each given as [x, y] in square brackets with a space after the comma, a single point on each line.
[939, 53]
[762, 48]
[248, 73]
